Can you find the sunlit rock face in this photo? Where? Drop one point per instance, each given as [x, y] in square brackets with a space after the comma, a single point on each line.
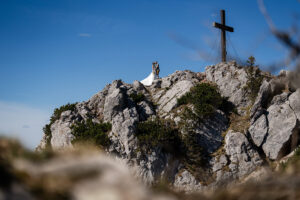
[231, 80]
[230, 155]
[275, 123]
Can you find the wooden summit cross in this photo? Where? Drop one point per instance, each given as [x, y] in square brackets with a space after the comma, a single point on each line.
[223, 28]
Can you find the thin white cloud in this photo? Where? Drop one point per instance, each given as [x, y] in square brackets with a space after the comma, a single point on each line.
[85, 35]
[22, 122]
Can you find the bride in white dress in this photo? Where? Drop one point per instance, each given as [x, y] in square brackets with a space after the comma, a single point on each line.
[153, 75]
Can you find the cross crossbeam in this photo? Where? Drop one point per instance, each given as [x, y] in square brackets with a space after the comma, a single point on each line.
[221, 26]
[223, 29]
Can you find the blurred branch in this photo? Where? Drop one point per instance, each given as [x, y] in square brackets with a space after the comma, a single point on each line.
[186, 43]
[292, 78]
[282, 36]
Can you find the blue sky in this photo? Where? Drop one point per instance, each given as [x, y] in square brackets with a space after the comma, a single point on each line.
[57, 51]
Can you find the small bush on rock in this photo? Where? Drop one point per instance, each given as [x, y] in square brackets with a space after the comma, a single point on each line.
[89, 131]
[255, 78]
[55, 116]
[158, 133]
[164, 134]
[58, 111]
[204, 97]
[137, 97]
[192, 149]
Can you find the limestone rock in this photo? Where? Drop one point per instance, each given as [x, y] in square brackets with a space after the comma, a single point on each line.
[259, 130]
[185, 181]
[138, 86]
[219, 163]
[274, 120]
[151, 167]
[61, 130]
[166, 91]
[169, 100]
[267, 91]
[283, 128]
[123, 127]
[274, 128]
[231, 80]
[243, 158]
[145, 110]
[96, 103]
[261, 101]
[114, 102]
[61, 135]
[210, 131]
[179, 76]
[295, 103]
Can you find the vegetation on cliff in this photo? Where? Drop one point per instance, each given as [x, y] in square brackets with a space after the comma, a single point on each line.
[204, 97]
[137, 97]
[158, 133]
[55, 116]
[91, 132]
[254, 78]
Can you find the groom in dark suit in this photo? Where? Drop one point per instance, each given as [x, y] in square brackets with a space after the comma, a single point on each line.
[155, 69]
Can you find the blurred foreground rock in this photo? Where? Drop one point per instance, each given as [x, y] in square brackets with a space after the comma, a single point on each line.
[87, 174]
[82, 173]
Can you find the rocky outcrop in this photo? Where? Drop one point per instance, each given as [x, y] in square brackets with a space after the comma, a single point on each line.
[261, 102]
[185, 181]
[294, 100]
[274, 120]
[239, 160]
[168, 101]
[61, 129]
[114, 104]
[166, 91]
[274, 125]
[210, 131]
[231, 80]
[243, 158]
[259, 130]
[283, 128]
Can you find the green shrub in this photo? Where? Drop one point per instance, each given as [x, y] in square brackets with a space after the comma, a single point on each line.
[58, 111]
[47, 132]
[185, 99]
[251, 61]
[192, 150]
[204, 97]
[96, 133]
[137, 97]
[158, 133]
[55, 116]
[164, 134]
[195, 158]
[255, 78]
[227, 107]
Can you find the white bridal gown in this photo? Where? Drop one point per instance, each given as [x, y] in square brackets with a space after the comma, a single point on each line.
[148, 81]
